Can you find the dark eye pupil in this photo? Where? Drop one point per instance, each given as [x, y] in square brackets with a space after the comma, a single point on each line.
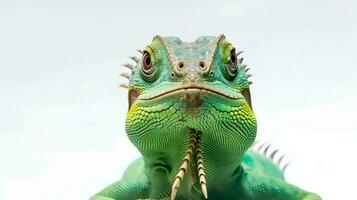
[233, 60]
[233, 57]
[147, 61]
[232, 67]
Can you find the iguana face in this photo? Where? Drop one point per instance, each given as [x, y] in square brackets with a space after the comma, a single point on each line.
[189, 104]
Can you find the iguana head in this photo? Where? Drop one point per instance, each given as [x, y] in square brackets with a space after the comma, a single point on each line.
[190, 111]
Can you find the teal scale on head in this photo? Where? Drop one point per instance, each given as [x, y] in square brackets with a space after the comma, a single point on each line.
[190, 116]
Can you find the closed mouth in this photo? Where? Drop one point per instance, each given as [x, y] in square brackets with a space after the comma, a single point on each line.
[187, 90]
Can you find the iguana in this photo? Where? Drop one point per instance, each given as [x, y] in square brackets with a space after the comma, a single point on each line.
[190, 116]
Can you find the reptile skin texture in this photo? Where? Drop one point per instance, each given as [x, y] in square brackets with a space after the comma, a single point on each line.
[190, 116]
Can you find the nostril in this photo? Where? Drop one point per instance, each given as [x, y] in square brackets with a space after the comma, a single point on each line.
[179, 68]
[181, 65]
[202, 65]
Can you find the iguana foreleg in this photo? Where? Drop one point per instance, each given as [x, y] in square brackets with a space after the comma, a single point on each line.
[123, 190]
[264, 188]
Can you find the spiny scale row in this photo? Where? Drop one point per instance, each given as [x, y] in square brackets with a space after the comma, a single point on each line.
[201, 172]
[271, 154]
[245, 67]
[131, 67]
[183, 167]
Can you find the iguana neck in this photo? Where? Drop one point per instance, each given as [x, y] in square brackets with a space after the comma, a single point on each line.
[188, 173]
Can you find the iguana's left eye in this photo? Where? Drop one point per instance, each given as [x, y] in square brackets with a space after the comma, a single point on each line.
[232, 67]
[148, 70]
[147, 66]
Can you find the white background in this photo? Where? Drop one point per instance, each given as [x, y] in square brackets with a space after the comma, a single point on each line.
[62, 117]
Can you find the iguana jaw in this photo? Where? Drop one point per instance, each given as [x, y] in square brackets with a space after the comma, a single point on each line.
[189, 89]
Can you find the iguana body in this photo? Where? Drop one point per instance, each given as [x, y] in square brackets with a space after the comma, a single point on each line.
[191, 118]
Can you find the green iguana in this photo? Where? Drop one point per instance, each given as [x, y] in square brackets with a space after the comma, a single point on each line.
[191, 118]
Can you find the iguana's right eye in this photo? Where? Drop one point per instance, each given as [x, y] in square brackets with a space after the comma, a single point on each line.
[147, 66]
[231, 65]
